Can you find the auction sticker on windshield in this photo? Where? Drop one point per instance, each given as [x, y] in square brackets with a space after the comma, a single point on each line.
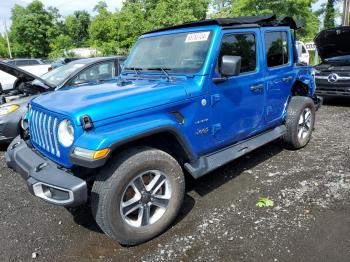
[197, 37]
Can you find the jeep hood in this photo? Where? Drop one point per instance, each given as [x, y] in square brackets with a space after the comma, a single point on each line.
[21, 74]
[108, 100]
[333, 42]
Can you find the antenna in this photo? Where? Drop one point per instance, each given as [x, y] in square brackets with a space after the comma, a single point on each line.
[7, 39]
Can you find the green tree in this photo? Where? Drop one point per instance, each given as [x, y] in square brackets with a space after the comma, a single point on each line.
[330, 14]
[103, 30]
[131, 23]
[32, 29]
[299, 9]
[3, 47]
[76, 26]
[116, 32]
[172, 12]
[60, 45]
[221, 8]
[100, 6]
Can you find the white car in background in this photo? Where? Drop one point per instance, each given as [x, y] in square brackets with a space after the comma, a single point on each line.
[303, 53]
[34, 66]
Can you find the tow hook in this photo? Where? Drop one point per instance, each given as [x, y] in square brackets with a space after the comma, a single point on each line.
[40, 167]
[15, 145]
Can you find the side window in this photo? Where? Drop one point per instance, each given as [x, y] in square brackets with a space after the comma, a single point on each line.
[240, 45]
[33, 62]
[303, 50]
[20, 63]
[276, 44]
[101, 71]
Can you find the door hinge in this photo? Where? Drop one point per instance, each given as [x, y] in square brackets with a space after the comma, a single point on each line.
[214, 99]
[215, 128]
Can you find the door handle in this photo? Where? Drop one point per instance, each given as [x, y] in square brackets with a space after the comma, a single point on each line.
[286, 79]
[257, 88]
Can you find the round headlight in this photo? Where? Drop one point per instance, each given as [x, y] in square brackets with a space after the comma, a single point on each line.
[65, 133]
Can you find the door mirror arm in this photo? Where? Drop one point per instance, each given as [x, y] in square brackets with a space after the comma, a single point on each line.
[218, 80]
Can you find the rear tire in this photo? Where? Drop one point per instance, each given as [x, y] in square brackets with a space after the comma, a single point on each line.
[148, 181]
[300, 122]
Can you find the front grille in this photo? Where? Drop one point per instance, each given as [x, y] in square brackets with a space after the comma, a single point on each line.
[339, 73]
[43, 131]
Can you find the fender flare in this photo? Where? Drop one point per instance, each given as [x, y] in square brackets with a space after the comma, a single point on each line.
[114, 146]
[163, 129]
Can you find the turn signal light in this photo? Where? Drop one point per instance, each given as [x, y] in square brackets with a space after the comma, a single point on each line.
[101, 153]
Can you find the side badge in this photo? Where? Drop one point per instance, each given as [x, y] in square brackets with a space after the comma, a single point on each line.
[204, 102]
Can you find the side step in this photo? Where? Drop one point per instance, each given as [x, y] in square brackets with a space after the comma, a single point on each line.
[210, 162]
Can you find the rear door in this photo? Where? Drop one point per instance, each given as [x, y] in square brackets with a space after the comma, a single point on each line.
[238, 103]
[279, 72]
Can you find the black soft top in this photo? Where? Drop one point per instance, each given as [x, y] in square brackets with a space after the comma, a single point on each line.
[265, 20]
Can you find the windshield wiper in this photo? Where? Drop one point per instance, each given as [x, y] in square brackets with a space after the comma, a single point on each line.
[164, 70]
[135, 69]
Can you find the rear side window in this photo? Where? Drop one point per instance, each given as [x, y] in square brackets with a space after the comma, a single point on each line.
[276, 44]
[303, 50]
[240, 45]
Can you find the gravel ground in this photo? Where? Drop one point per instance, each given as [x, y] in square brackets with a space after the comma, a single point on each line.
[310, 219]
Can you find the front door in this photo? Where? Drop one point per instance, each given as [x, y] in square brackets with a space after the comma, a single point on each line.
[238, 103]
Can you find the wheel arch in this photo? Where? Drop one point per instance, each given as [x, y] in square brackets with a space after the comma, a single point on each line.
[299, 88]
[165, 138]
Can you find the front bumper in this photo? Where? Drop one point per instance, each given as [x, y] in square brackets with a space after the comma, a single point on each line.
[333, 93]
[9, 127]
[44, 178]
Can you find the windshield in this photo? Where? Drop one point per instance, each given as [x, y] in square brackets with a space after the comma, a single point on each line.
[58, 75]
[175, 53]
[339, 58]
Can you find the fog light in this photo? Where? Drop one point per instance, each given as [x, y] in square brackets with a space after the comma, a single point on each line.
[53, 194]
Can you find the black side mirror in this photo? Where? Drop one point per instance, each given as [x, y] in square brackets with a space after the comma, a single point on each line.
[230, 65]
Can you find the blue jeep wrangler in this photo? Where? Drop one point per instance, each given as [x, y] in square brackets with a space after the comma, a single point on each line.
[190, 99]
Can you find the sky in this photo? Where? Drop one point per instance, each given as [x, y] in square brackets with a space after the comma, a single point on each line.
[67, 7]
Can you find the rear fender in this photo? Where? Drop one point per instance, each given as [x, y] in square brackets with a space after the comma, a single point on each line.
[306, 76]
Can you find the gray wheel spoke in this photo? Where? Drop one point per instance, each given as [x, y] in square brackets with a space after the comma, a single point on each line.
[138, 185]
[156, 183]
[130, 206]
[160, 202]
[307, 116]
[305, 131]
[301, 119]
[146, 212]
[300, 132]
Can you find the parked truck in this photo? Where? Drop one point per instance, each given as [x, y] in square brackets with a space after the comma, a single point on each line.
[190, 98]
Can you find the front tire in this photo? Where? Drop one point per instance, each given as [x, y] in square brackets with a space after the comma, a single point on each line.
[300, 122]
[137, 195]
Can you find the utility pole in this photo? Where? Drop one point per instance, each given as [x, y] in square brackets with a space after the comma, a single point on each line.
[345, 17]
[7, 39]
